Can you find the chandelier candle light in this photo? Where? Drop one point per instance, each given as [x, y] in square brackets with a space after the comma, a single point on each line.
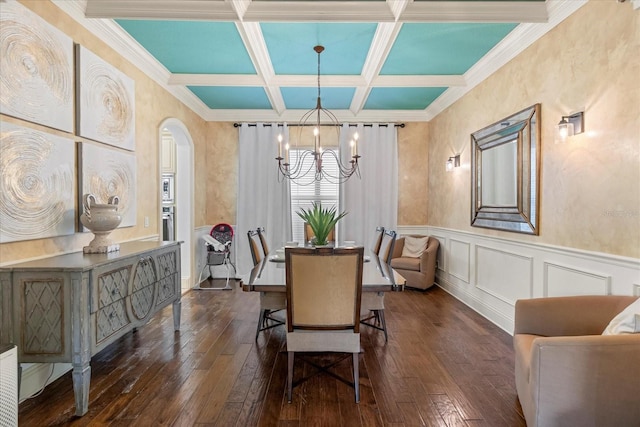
[301, 172]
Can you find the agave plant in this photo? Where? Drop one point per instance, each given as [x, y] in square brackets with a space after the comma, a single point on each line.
[321, 220]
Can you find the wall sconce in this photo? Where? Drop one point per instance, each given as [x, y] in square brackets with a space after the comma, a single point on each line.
[453, 162]
[569, 126]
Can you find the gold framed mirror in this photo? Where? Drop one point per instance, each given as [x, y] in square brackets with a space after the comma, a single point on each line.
[505, 173]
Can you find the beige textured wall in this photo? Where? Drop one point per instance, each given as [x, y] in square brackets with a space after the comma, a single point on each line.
[153, 105]
[221, 173]
[413, 174]
[590, 186]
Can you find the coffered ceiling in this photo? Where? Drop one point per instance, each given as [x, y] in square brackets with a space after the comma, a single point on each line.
[393, 60]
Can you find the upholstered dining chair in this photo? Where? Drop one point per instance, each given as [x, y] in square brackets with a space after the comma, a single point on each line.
[309, 234]
[372, 313]
[324, 288]
[270, 302]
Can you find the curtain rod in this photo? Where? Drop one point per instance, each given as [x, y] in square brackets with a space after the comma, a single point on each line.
[400, 125]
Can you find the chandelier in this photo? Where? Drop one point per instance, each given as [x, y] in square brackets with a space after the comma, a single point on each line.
[307, 165]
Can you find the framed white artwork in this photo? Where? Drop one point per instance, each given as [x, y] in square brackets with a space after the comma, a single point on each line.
[36, 69]
[36, 184]
[107, 172]
[106, 101]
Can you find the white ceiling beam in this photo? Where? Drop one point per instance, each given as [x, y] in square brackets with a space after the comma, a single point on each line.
[318, 11]
[475, 11]
[211, 10]
[321, 11]
[216, 80]
[381, 44]
[397, 7]
[253, 40]
[312, 81]
[418, 81]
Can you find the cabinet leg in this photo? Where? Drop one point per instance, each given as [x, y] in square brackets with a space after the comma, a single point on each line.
[81, 378]
[177, 306]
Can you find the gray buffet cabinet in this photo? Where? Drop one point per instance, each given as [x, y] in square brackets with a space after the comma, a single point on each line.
[67, 308]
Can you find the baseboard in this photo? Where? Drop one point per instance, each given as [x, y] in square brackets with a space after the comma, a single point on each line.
[36, 376]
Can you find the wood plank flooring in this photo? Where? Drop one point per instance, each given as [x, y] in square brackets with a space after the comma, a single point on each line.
[444, 365]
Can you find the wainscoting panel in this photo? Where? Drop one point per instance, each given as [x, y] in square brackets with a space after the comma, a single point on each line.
[440, 259]
[459, 262]
[504, 275]
[560, 280]
[490, 273]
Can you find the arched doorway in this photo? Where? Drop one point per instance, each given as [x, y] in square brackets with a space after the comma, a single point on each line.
[184, 200]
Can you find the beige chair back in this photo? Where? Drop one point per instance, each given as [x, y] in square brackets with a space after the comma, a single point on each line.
[324, 288]
[309, 234]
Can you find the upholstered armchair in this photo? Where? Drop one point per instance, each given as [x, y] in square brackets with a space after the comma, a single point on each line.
[567, 372]
[420, 272]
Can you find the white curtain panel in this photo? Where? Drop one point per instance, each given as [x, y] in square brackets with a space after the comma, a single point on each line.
[372, 200]
[263, 201]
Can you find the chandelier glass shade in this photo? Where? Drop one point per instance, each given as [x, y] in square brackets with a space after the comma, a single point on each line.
[305, 166]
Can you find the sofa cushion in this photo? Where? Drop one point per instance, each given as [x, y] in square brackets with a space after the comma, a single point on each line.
[626, 322]
[414, 247]
[406, 263]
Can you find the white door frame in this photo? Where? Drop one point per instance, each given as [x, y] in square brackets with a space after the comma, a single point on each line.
[184, 195]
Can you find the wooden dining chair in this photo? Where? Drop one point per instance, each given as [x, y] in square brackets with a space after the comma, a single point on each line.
[255, 245]
[324, 289]
[372, 314]
[387, 243]
[377, 240]
[270, 302]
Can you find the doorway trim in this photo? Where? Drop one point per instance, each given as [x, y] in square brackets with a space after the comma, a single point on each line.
[184, 195]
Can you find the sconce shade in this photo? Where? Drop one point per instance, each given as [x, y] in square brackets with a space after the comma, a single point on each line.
[452, 162]
[569, 126]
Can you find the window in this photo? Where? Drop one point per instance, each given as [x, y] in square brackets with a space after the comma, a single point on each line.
[303, 194]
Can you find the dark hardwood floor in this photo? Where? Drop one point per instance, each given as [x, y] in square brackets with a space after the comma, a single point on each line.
[444, 365]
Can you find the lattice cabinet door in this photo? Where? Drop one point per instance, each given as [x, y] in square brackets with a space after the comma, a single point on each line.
[169, 282]
[143, 288]
[44, 315]
[111, 291]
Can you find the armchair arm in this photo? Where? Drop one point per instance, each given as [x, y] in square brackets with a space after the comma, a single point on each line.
[562, 316]
[586, 380]
[429, 256]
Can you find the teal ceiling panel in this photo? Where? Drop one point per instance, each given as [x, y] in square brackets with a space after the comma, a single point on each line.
[402, 98]
[333, 98]
[290, 47]
[232, 97]
[192, 46]
[441, 48]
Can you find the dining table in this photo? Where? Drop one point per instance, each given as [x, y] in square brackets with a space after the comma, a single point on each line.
[269, 275]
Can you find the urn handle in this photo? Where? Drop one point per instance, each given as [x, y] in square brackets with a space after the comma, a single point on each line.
[114, 200]
[89, 199]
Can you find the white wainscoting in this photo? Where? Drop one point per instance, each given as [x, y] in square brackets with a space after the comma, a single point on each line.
[489, 274]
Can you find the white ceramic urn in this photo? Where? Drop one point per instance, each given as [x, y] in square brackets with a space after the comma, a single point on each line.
[101, 219]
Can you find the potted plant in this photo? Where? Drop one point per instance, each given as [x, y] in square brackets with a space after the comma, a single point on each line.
[321, 220]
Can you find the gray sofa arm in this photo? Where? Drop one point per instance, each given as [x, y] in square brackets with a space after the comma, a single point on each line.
[562, 316]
